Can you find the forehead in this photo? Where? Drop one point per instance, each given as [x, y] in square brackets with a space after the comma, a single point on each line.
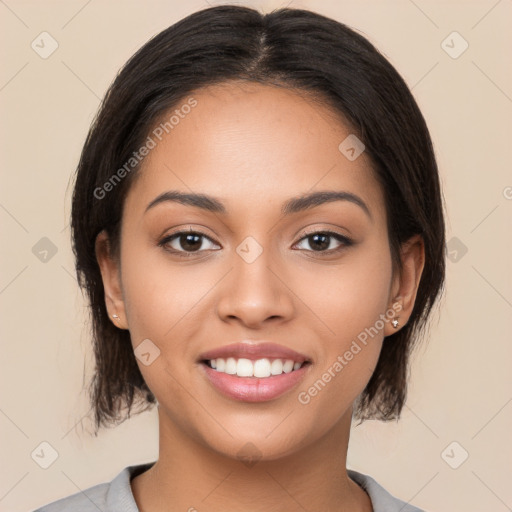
[251, 145]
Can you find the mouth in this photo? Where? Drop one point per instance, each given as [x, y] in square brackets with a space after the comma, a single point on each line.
[254, 372]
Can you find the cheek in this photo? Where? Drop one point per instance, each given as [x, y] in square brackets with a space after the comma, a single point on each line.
[160, 294]
[164, 303]
[350, 299]
[349, 296]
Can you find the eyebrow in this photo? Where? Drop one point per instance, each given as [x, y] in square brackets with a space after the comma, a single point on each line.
[293, 205]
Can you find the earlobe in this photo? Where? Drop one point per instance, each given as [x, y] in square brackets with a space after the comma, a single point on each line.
[412, 255]
[109, 267]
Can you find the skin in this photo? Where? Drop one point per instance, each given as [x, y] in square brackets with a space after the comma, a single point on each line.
[253, 147]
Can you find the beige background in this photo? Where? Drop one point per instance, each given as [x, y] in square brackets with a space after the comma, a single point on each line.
[461, 380]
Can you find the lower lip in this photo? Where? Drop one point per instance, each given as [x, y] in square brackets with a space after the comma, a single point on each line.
[253, 389]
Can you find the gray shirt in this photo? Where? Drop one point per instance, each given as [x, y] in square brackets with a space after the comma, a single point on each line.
[116, 496]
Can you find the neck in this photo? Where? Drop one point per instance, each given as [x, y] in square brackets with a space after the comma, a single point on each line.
[190, 476]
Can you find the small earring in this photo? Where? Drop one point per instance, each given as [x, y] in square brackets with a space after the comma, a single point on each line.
[115, 316]
[394, 323]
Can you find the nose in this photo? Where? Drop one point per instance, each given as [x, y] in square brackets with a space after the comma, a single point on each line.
[255, 293]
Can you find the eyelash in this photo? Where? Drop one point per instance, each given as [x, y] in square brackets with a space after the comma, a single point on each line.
[345, 241]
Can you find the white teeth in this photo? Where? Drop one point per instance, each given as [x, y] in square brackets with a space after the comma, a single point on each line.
[276, 368]
[230, 366]
[261, 368]
[219, 363]
[288, 366]
[244, 368]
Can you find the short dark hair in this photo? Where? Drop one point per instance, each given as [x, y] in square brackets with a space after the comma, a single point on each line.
[292, 48]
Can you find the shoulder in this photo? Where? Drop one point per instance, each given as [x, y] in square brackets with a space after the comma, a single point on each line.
[89, 500]
[382, 500]
[107, 497]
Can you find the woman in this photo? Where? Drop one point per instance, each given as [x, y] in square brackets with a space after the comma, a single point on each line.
[257, 221]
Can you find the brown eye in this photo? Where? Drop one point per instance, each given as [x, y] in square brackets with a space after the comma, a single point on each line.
[186, 242]
[190, 242]
[325, 241]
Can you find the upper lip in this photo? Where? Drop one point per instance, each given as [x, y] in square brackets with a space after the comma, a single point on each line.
[254, 350]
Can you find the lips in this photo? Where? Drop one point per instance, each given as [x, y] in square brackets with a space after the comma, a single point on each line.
[254, 388]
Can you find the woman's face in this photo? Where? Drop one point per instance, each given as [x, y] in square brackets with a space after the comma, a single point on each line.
[253, 273]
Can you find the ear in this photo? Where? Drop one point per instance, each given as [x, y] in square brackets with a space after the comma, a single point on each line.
[405, 283]
[110, 274]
